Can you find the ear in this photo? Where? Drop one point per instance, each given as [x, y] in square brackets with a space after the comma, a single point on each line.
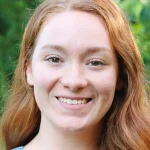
[29, 75]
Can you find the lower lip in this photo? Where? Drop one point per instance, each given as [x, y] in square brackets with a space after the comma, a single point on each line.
[74, 107]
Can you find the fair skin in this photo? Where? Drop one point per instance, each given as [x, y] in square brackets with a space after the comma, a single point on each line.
[74, 75]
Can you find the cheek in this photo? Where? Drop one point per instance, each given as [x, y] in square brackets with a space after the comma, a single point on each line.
[105, 86]
[44, 78]
[44, 81]
[105, 82]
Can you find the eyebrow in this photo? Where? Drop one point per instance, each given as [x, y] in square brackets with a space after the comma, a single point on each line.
[91, 50]
[88, 50]
[54, 47]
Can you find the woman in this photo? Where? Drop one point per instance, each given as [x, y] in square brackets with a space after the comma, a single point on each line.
[79, 82]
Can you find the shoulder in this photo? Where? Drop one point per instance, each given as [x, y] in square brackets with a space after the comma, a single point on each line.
[18, 148]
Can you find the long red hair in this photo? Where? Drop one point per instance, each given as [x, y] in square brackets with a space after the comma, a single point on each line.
[127, 123]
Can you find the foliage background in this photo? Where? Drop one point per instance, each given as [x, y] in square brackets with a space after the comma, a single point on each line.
[14, 15]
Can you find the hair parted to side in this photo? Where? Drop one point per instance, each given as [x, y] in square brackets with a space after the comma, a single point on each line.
[127, 124]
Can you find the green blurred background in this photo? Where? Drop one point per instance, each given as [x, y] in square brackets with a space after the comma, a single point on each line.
[14, 15]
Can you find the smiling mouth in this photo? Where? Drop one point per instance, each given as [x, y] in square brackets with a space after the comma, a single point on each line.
[74, 101]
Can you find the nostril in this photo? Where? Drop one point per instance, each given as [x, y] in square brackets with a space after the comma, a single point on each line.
[74, 84]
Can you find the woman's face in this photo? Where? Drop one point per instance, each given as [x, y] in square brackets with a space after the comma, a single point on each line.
[73, 71]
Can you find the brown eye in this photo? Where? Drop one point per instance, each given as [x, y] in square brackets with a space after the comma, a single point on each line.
[95, 63]
[54, 60]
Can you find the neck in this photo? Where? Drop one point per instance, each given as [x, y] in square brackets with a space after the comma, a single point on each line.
[53, 138]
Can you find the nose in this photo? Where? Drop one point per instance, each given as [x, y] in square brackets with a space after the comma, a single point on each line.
[74, 79]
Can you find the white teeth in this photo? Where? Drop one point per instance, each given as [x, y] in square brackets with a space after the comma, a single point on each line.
[79, 101]
[72, 102]
[75, 102]
[83, 101]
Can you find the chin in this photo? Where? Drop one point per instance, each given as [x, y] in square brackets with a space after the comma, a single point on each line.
[72, 127]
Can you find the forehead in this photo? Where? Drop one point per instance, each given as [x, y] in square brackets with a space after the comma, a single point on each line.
[74, 30]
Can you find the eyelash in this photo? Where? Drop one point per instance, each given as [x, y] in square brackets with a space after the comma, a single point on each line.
[54, 59]
[97, 63]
